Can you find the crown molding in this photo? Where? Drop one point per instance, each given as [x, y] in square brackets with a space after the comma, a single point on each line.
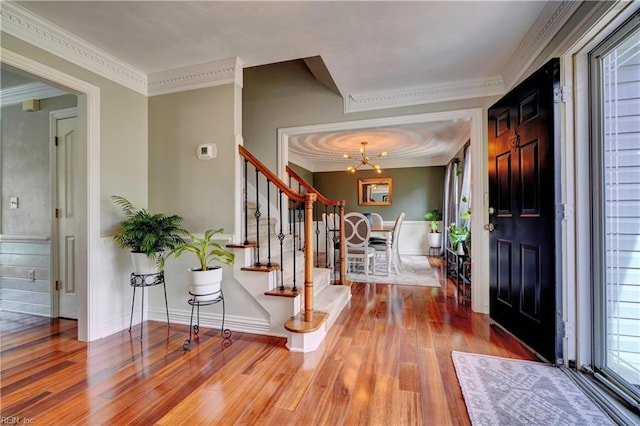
[32, 29]
[24, 92]
[196, 76]
[464, 89]
[544, 29]
[304, 163]
[551, 20]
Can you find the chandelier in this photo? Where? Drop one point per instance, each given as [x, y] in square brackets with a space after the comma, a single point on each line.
[365, 160]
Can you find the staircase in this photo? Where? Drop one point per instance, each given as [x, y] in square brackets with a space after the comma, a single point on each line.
[265, 263]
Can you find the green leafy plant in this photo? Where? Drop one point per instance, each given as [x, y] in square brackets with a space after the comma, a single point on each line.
[433, 216]
[467, 214]
[205, 249]
[144, 232]
[457, 234]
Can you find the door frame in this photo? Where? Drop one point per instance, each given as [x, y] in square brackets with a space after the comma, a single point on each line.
[479, 174]
[89, 232]
[577, 277]
[54, 271]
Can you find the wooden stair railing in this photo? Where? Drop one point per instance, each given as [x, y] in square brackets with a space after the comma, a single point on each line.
[334, 236]
[305, 202]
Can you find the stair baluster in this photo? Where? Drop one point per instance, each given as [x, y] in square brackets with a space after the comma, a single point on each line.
[281, 237]
[268, 224]
[257, 215]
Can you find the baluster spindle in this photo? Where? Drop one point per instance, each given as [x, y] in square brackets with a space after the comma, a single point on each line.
[257, 215]
[246, 204]
[293, 266]
[281, 238]
[269, 223]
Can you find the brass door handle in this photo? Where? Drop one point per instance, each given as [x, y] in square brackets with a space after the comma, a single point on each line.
[489, 227]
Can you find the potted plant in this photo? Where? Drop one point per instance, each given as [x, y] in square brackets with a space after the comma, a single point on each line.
[147, 235]
[434, 236]
[458, 235]
[204, 281]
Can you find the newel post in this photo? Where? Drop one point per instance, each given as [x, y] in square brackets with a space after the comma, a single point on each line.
[310, 199]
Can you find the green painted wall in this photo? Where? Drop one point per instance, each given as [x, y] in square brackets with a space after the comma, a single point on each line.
[416, 190]
[303, 173]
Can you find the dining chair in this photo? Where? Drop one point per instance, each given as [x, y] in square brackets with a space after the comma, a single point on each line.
[329, 221]
[393, 248]
[357, 230]
[376, 220]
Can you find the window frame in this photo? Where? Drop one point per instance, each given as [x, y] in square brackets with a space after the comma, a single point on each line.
[598, 218]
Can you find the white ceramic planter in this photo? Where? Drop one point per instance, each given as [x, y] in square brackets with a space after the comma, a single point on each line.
[142, 265]
[205, 284]
[435, 239]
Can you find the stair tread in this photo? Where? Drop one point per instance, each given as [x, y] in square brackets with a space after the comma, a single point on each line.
[262, 268]
[299, 325]
[287, 292]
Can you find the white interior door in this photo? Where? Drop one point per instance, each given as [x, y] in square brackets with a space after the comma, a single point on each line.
[66, 199]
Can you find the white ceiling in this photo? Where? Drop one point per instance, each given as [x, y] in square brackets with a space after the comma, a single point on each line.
[369, 48]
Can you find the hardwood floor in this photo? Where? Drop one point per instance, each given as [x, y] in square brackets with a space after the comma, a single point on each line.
[386, 361]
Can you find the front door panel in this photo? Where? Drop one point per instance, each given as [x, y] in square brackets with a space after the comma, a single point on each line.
[522, 194]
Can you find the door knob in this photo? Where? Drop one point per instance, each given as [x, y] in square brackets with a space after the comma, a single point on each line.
[491, 211]
[489, 227]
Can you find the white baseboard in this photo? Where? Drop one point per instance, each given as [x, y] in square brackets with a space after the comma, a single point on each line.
[214, 320]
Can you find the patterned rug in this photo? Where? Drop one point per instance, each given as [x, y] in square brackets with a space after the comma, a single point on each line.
[502, 391]
[415, 270]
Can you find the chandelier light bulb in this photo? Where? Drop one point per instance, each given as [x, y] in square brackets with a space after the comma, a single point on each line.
[365, 159]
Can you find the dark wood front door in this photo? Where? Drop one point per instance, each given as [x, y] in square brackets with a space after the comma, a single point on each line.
[523, 193]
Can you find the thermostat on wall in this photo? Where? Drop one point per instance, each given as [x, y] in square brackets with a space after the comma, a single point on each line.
[207, 151]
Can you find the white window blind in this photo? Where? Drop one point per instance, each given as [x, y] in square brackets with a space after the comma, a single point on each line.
[620, 97]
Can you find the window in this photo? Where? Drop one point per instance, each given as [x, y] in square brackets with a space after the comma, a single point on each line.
[615, 79]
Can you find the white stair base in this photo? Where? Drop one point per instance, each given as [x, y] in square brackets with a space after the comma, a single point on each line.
[306, 342]
[330, 299]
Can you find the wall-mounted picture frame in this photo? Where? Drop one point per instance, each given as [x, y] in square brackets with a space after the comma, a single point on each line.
[375, 191]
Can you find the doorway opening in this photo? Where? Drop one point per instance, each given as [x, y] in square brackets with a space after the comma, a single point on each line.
[479, 268]
[88, 179]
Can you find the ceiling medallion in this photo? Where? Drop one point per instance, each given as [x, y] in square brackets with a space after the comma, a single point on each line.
[365, 160]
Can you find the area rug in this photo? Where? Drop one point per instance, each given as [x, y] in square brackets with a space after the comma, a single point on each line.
[415, 270]
[503, 391]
